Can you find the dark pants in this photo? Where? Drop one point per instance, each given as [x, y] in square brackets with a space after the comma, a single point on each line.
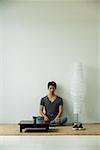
[62, 120]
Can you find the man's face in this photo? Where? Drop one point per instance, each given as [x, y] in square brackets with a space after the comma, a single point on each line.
[51, 90]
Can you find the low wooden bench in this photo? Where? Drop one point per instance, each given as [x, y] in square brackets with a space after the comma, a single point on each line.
[34, 125]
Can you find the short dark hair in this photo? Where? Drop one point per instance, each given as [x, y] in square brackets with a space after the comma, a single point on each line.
[52, 83]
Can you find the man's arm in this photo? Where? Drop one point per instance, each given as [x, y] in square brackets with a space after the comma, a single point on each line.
[41, 110]
[60, 111]
[59, 114]
[42, 113]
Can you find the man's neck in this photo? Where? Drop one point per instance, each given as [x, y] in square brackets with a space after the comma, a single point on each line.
[51, 95]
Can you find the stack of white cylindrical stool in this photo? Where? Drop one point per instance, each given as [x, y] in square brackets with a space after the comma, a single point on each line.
[77, 89]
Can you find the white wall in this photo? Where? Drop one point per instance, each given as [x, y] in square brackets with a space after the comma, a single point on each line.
[40, 42]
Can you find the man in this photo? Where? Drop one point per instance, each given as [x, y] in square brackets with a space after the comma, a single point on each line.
[51, 107]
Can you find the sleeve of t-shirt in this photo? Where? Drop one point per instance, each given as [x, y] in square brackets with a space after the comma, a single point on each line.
[61, 101]
[42, 102]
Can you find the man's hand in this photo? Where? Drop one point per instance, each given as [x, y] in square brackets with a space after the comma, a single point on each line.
[46, 118]
[56, 120]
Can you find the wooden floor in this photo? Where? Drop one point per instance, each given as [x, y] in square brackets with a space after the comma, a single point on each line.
[13, 129]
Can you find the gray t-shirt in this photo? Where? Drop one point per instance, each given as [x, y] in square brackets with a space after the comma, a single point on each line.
[51, 108]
